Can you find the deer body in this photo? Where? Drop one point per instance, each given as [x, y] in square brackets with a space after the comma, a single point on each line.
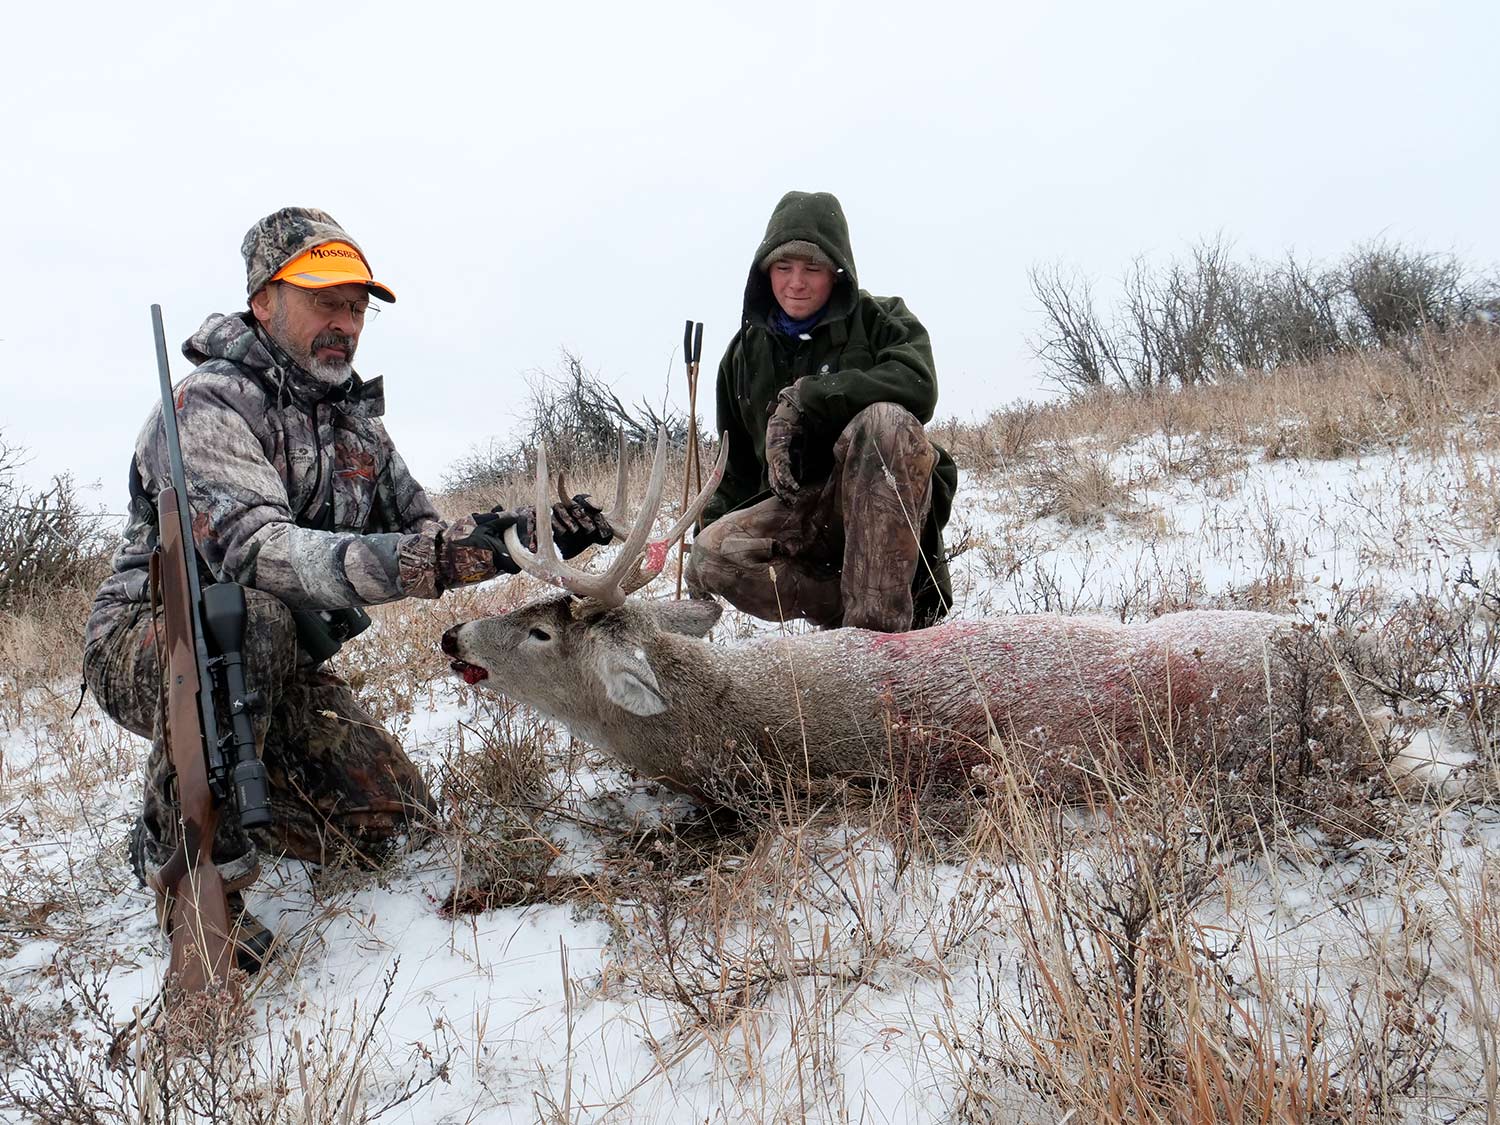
[636, 679]
[638, 682]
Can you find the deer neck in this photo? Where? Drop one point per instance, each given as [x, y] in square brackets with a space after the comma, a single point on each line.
[802, 699]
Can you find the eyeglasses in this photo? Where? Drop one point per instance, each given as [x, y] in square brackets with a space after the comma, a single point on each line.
[329, 305]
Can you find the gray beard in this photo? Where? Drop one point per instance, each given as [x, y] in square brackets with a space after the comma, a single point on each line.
[330, 374]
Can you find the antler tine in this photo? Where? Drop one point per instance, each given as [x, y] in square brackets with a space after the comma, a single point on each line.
[693, 510]
[544, 563]
[541, 513]
[654, 561]
[639, 561]
[616, 515]
[640, 530]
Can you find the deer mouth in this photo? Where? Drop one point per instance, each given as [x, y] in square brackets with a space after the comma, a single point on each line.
[471, 673]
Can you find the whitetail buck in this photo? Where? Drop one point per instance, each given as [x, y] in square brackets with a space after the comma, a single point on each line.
[635, 678]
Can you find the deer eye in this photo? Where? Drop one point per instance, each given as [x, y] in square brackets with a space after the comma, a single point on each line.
[539, 634]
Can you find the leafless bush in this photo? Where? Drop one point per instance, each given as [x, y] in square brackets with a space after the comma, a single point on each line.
[1445, 657]
[1111, 923]
[1280, 313]
[576, 415]
[1395, 291]
[1173, 319]
[1079, 351]
[497, 793]
[1193, 321]
[48, 539]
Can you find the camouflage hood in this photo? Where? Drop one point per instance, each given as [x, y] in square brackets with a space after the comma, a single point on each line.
[238, 340]
[233, 338]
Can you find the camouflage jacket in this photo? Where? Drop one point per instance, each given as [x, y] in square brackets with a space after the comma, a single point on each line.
[294, 490]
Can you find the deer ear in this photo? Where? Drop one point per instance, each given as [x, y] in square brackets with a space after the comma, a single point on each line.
[693, 617]
[629, 682]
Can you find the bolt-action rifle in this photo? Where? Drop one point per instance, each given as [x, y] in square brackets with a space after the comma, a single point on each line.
[203, 636]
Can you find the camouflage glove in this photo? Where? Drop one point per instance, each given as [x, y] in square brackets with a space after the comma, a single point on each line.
[578, 525]
[575, 526]
[467, 552]
[783, 445]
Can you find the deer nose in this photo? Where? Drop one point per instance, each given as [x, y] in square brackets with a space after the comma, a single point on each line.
[450, 641]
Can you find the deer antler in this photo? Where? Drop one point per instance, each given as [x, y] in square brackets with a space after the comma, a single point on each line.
[615, 517]
[640, 559]
[616, 514]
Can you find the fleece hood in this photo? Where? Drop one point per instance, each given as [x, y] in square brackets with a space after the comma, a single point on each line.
[807, 216]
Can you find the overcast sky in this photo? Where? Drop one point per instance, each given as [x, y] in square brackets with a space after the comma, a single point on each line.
[540, 176]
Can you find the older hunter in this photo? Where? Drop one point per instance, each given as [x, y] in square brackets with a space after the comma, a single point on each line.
[297, 493]
[833, 504]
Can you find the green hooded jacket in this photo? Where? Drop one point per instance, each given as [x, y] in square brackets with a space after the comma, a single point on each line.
[864, 350]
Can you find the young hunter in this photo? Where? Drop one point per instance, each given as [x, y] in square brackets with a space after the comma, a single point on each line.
[297, 493]
[833, 504]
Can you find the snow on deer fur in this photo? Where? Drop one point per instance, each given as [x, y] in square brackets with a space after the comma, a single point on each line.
[635, 678]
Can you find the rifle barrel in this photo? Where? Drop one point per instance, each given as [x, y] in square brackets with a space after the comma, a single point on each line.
[190, 550]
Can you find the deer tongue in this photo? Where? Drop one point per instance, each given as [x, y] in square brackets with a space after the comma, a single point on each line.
[472, 673]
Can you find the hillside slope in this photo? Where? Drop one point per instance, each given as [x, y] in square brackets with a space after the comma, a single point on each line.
[916, 956]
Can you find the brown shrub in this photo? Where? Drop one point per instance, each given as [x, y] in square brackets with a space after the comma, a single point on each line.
[1003, 440]
[1079, 487]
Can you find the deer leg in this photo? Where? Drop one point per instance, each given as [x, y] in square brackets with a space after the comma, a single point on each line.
[883, 463]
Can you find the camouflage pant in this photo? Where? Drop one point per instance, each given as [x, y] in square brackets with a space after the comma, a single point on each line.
[846, 552]
[340, 785]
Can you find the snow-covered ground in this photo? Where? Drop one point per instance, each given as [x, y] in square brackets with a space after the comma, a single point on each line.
[875, 985]
[1394, 520]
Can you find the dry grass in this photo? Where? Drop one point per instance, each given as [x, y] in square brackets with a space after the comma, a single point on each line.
[1140, 995]
[1326, 409]
[41, 643]
[200, 1060]
[1080, 488]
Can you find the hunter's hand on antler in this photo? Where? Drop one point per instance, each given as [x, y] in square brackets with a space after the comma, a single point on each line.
[473, 549]
[783, 442]
[577, 525]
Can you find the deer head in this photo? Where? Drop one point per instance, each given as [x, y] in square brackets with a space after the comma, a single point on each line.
[582, 657]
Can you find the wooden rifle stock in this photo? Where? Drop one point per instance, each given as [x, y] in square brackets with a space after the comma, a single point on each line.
[190, 894]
